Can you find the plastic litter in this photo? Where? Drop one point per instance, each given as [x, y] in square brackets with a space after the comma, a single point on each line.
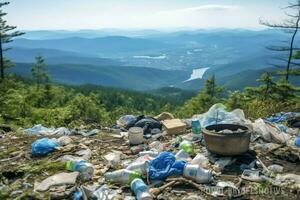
[158, 135]
[126, 121]
[165, 165]
[148, 124]
[84, 154]
[157, 146]
[140, 189]
[221, 163]
[297, 141]
[287, 179]
[150, 153]
[123, 176]
[201, 160]
[197, 173]
[105, 193]
[225, 184]
[252, 175]
[85, 169]
[283, 117]
[43, 147]
[140, 167]
[270, 132]
[41, 130]
[64, 140]
[86, 134]
[114, 159]
[187, 146]
[276, 168]
[56, 180]
[182, 155]
[136, 135]
[78, 195]
[217, 114]
[137, 149]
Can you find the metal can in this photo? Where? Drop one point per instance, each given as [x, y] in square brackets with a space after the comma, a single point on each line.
[196, 127]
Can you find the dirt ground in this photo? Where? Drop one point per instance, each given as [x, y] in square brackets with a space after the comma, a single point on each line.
[19, 170]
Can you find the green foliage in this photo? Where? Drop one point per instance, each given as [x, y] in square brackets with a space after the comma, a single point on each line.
[39, 72]
[262, 101]
[7, 33]
[210, 95]
[57, 105]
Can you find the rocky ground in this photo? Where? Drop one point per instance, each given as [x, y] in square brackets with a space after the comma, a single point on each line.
[19, 170]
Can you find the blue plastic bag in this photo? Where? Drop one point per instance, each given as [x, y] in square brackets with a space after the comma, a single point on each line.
[165, 165]
[43, 147]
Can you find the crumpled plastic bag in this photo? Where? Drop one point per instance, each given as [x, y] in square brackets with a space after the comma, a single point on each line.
[165, 165]
[126, 121]
[271, 132]
[43, 147]
[41, 130]
[282, 180]
[283, 117]
[217, 114]
[114, 159]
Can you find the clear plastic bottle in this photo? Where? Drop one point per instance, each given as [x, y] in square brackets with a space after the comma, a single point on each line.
[140, 189]
[123, 176]
[85, 169]
[140, 167]
[197, 173]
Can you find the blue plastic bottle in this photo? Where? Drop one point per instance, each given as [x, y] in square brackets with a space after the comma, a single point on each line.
[140, 189]
[297, 141]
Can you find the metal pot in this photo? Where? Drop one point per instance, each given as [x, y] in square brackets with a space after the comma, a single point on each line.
[227, 144]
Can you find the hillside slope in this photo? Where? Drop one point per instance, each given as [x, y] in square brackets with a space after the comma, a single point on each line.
[137, 78]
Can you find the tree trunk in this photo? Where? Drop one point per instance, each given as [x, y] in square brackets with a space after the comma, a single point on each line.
[1, 59]
[291, 50]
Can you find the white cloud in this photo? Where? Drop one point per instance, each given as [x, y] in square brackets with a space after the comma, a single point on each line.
[203, 8]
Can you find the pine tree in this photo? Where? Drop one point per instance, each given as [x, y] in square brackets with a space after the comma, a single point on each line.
[39, 72]
[7, 33]
[290, 26]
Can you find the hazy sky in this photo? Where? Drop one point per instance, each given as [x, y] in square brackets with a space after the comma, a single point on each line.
[141, 14]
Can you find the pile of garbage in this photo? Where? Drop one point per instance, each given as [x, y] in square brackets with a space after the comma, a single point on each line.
[218, 154]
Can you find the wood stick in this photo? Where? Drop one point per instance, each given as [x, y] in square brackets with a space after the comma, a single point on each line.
[157, 191]
[184, 180]
[262, 164]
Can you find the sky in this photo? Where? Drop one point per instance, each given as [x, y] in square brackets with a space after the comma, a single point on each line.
[141, 14]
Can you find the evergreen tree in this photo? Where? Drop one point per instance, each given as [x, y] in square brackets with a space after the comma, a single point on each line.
[210, 95]
[39, 72]
[7, 33]
[290, 26]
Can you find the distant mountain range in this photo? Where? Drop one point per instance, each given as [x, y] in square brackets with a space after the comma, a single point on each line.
[160, 59]
[136, 78]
